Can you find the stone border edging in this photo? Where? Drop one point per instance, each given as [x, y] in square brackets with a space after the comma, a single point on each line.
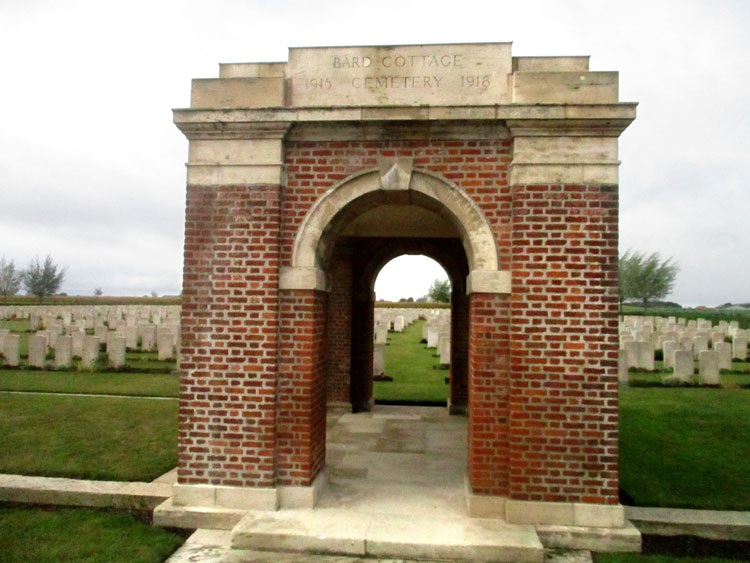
[78, 492]
[710, 524]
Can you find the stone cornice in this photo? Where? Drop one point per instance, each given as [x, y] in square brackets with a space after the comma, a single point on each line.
[529, 120]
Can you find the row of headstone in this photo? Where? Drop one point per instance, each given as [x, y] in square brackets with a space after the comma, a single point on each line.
[90, 316]
[145, 327]
[438, 320]
[437, 333]
[682, 343]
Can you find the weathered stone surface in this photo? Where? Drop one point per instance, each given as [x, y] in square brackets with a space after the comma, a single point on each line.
[708, 368]
[63, 351]
[37, 351]
[459, 74]
[116, 352]
[12, 350]
[90, 353]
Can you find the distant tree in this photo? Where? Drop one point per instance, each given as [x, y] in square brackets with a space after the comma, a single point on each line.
[646, 277]
[154, 294]
[43, 279]
[440, 291]
[98, 291]
[10, 278]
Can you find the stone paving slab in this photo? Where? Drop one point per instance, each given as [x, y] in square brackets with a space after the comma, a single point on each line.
[78, 492]
[213, 546]
[710, 524]
[357, 533]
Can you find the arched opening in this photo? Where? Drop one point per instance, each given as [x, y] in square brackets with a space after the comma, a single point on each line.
[412, 352]
[327, 300]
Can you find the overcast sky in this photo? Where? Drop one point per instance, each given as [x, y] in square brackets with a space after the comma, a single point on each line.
[92, 168]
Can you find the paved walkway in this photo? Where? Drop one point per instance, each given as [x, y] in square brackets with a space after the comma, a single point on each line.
[405, 464]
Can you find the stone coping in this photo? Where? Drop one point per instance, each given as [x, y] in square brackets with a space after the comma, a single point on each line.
[710, 524]
[273, 122]
[79, 492]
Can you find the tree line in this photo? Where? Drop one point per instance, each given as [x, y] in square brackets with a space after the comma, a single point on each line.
[646, 277]
[39, 278]
[643, 277]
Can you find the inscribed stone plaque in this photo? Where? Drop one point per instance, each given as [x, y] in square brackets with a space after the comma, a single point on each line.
[460, 74]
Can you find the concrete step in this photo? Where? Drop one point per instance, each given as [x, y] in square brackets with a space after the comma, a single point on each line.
[194, 517]
[348, 532]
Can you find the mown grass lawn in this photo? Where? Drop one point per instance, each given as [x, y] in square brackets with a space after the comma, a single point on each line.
[654, 558]
[136, 384]
[686, 448]
[29, 534]
[413, 368]
[99, 438]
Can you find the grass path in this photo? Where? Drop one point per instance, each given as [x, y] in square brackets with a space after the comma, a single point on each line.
[413, 368]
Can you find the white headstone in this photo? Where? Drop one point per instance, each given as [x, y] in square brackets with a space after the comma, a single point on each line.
[724, 351]
[622, 367]
[63, 351]
[645, 355]
[684, 365]
[37, 351]
[12, 350]
[631, 350]
[90, 353]
[669, 348]
[116, 351]
[708, 368]
[739, 347]
[378, 360]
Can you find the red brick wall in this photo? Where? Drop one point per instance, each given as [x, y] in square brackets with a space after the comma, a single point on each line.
[302, 391]
[229, 336]
[542, 362]
[488, 393]
[479, 167]
[340, 328]
[563, 406]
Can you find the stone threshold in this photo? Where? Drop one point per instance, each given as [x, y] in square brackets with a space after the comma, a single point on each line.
[214, 546]
[79, 492]
[356, 533]
[709, 524]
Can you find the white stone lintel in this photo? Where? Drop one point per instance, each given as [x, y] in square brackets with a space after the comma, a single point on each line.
[564, 173]
[303, 278]
[488, 281]
[235, 174]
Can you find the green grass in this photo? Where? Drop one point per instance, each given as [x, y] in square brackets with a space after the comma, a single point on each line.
[653, 558]
[82, 535]
[411, 365]
[90, 300]
[87, 438]
[151, 385]
[685, 448]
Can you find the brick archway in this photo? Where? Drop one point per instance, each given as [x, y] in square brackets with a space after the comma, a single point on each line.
[394, 182]
[356, 263]
[523, 172]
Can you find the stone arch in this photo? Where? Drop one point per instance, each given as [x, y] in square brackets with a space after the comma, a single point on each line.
[374, 253]
[397, 183]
